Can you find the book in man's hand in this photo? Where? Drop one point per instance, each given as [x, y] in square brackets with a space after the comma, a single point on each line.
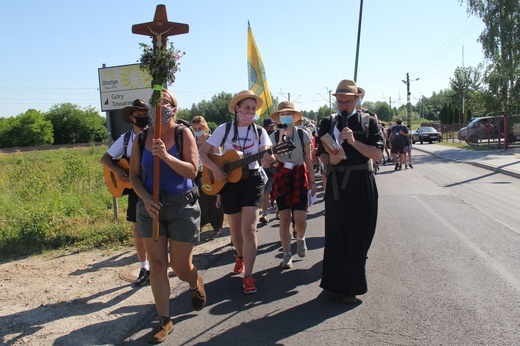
[330, 143]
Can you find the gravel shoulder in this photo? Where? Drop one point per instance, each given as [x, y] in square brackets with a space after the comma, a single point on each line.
[83, 298]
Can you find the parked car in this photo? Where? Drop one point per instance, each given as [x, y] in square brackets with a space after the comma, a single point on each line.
[490, 127]
[426, 134]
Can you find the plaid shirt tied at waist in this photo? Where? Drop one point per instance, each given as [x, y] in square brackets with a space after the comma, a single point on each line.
[290, 183]
[332, 170]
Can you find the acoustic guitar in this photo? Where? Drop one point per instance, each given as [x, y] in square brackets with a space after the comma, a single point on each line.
[116, 186]
[231, 163]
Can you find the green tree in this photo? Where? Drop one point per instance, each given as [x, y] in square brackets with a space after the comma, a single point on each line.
[500, 41]
[75, 125]
[30, 129]
[466, 82]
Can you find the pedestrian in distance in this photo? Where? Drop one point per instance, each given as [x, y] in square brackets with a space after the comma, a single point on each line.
[269, 125]
[137, 115]
[399, 135]
[351, 197]
[293, 179]
[210, 208]
[241, 200]
[177, 211]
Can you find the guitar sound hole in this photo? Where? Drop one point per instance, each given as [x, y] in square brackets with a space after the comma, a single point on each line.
[225, 167]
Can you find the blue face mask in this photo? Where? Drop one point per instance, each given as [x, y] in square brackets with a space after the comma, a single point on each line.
[286, 119]
[199, 133]
[360, 101]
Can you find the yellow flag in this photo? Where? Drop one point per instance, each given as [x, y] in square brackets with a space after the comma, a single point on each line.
[256, 72]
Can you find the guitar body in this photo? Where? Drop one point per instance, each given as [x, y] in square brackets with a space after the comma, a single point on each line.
[235, 167]
[212, 186]
[117, 187]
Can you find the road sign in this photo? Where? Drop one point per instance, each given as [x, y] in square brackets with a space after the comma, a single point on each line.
[119, 86]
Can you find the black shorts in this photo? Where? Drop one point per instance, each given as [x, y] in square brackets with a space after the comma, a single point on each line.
[302, 205]
[397, 148]
[131, 212]
[244, 193]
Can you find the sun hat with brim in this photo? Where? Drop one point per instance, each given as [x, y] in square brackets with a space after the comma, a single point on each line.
[245, 94]
[347, 87]
[137, 104]
[286, 106]
[361, 91]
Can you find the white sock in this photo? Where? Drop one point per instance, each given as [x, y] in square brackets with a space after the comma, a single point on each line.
[145, 265]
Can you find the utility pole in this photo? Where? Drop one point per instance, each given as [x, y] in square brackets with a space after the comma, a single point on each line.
[391, 112]
[408, 108]
[408, 104]
[288, 95]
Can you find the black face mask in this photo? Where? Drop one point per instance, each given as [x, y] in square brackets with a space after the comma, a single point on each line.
[141, 122]
[399, 124]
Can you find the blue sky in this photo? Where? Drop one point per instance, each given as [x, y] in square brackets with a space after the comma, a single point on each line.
[52, 49]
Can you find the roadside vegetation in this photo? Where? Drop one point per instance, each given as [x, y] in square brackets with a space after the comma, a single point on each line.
[57, 199]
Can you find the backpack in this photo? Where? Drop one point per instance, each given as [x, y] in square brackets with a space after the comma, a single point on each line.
[365, 120]
[126, 139]
[178, 135]
[228, 128]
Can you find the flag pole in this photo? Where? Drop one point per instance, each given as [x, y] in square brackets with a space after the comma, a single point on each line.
[358, 39]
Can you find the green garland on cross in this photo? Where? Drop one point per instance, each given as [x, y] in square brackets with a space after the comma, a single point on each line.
[161, 64]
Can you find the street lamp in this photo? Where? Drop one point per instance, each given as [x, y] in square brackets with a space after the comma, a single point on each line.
[408, 105]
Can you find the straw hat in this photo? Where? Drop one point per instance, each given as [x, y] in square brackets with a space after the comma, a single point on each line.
[361, 91]
[137, 104]
[347, 87]
[244, 94]
[286, 106]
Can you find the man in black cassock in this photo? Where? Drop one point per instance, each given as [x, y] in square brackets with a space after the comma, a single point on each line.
[351, 195]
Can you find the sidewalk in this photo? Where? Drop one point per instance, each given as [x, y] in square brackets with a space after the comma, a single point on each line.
[500, 161]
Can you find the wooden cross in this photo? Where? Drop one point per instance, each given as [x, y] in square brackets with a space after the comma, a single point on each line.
[160, 28]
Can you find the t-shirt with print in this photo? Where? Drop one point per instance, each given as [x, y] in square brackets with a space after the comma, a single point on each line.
[295, 156]
[246, 142]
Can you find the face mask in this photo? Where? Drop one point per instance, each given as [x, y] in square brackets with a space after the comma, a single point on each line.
[398, 124]
[286, 119]
[199, 133]
[166, 114]
[359, 102]
[299, 126]
[246, 119]
[141, 122]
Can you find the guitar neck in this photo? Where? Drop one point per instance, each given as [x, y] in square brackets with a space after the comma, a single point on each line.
[245, 161]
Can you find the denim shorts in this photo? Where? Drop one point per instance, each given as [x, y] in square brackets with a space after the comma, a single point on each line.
[179, 217]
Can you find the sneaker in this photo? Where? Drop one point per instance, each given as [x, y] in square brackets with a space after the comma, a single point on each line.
[411, 166]
[239, 265]
[248, 283]
[198, 295]
[287, 261]
[302, 247]
[161, 332]
[264, 219]
[400, 167]
[294, 233]
[143, 279]
[396, 167]
[405, 166]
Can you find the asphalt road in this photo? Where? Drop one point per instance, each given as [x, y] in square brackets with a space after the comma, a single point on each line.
[443, 270]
